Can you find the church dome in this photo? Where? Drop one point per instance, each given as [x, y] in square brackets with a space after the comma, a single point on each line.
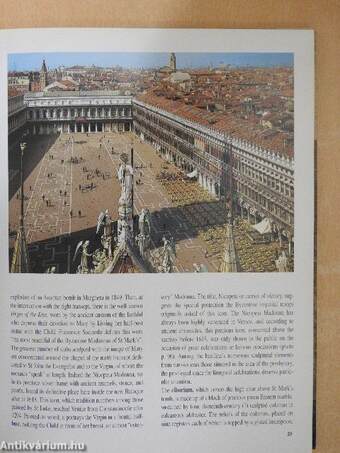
[179, 77]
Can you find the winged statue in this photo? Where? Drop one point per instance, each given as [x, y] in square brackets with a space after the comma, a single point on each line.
[83, 267]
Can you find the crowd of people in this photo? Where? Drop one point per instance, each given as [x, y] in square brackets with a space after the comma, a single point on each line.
[208, 217]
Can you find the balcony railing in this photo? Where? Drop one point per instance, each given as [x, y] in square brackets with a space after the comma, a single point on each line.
[75, 118]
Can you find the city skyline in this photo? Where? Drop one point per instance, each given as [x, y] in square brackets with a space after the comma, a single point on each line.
[203, 202]
[146, 60]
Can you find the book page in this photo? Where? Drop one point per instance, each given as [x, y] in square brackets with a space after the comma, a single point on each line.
[157, 211]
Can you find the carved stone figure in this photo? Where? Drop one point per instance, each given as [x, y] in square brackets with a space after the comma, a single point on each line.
[169, 254]
[144, 236]
[100, 260]
[83, 267]
[125, 222]
[282, 263]
[105, 221]
[125, 177]
[51, 270]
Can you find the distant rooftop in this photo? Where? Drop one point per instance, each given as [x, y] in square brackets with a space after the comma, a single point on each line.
[273, 140]
[74, 94]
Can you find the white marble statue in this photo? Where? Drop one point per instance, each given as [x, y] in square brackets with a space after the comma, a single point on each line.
[125, 177]
[83, 267]
[145, 222]
[282, 262]
[105, 220]
[169, 254]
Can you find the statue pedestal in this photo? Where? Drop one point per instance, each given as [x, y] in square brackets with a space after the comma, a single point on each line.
[125, 225]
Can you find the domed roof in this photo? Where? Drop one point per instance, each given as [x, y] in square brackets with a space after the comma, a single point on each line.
[178, 77]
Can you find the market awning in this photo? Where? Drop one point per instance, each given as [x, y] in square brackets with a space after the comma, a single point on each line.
[264, 226]
[193, 174]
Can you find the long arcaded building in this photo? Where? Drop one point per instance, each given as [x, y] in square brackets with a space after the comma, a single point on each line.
[77, 111]
[261, 179]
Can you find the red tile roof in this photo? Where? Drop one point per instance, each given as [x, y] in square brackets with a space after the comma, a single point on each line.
[226, 122]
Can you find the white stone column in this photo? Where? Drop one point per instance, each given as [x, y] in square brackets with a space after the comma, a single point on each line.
[68, 128]
[82, 128]
[96, 128]
[290, 243]
[68, 113]
[96, 113]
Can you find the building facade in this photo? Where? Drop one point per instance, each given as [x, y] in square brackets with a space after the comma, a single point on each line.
[43, 76]
[19, 83]
[172, 62]
[88, 111]
[17, 117]
[260, 182]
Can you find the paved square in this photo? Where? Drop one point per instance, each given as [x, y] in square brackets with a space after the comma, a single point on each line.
[75, 177]
[69, 179]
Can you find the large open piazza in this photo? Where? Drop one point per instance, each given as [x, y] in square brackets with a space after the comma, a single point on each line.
[71, 178]
[159, 169]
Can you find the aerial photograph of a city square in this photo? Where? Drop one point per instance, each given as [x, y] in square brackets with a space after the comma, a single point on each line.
[150, 162]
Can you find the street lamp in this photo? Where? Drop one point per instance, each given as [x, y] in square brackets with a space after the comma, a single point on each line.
[133, 178]
[22, 148]
[20, 258]
[230, 185]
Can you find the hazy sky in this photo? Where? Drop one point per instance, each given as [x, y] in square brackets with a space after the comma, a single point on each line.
[32, 61]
